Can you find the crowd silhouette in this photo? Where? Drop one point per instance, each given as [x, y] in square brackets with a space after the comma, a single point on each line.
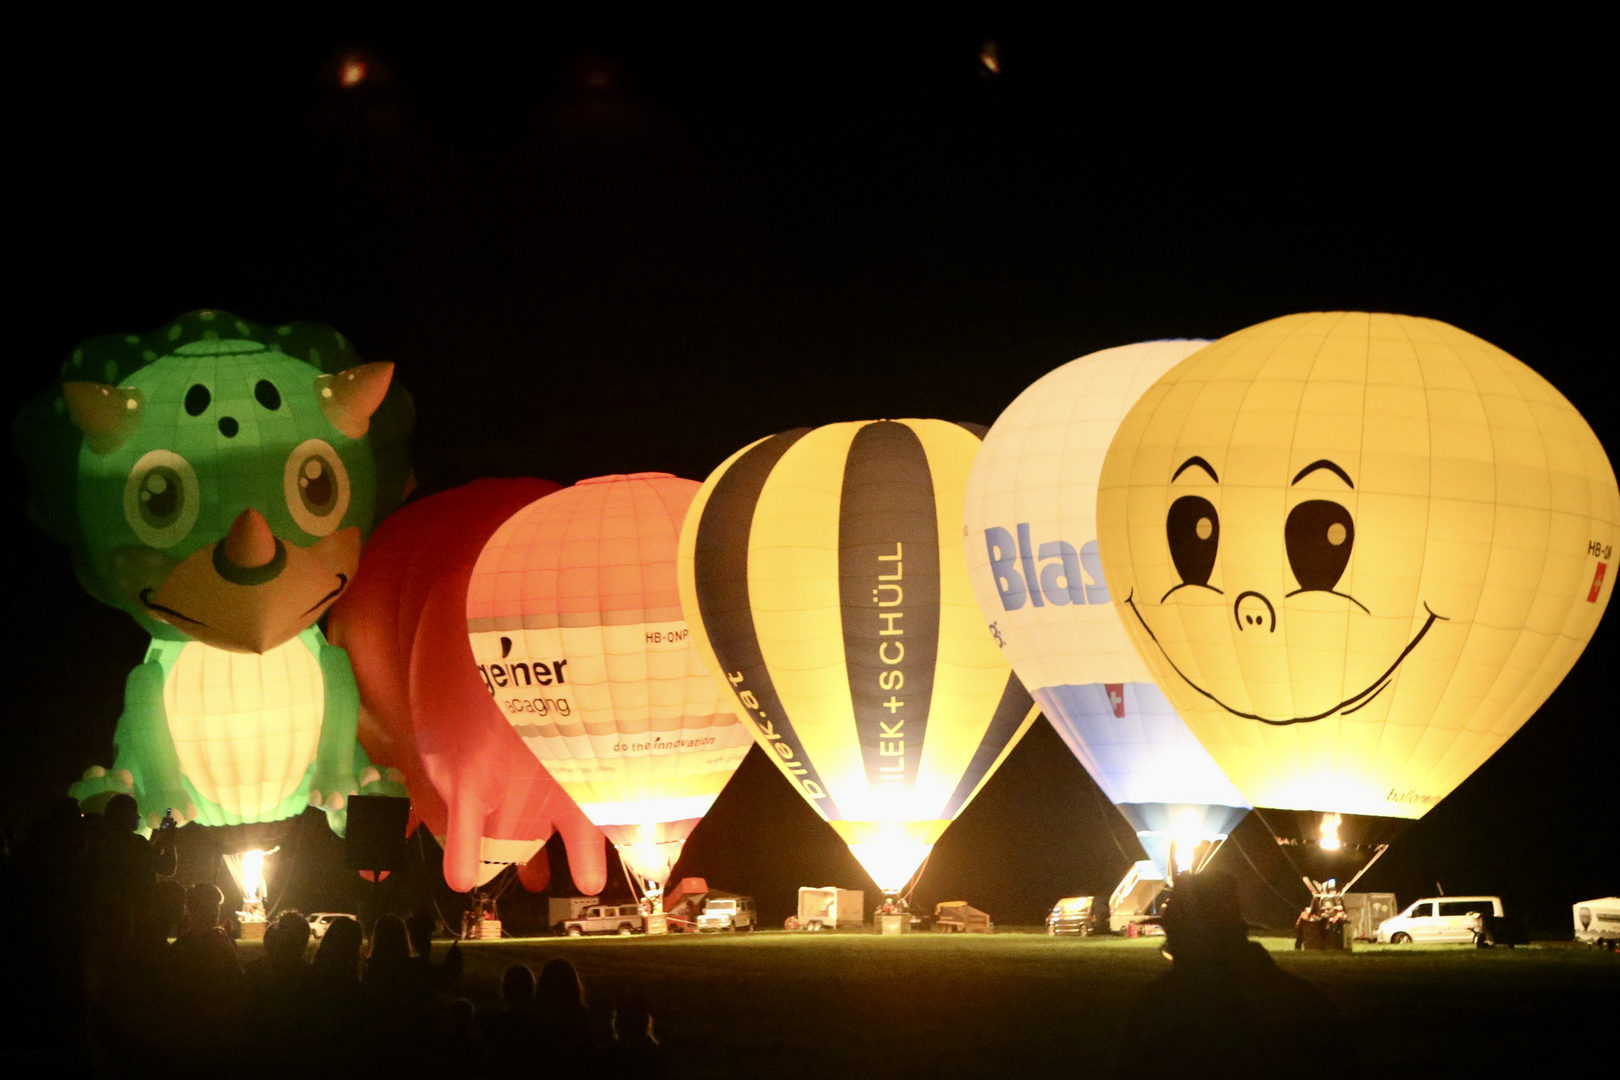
[128, 973]
[125, 972]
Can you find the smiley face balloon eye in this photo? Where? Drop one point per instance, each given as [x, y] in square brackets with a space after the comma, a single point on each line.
[1193, 529]
[1319, 535]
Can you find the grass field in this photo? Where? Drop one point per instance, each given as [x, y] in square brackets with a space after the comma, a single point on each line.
[848, 1005]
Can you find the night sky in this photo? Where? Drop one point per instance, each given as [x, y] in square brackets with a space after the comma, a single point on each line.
[641, 250]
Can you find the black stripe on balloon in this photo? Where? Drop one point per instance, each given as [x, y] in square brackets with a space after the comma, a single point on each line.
[1010, 712]
[720, 578]
[888, 589]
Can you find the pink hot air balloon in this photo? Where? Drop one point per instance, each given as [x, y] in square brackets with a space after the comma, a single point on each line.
[426, 710]
[575, 619]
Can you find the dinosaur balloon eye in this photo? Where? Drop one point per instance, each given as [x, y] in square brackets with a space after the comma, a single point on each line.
[161, 498]
[1319, 536]
[267, 394]
[197, 399]
[1194, 531]
[316, 486]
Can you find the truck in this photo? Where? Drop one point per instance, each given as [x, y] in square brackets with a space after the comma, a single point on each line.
[562, 908]
[1073, 915]
[829, 908]
[727, 913]
[621, 919]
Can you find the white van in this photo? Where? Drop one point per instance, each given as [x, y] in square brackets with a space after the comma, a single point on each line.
[1440, 920]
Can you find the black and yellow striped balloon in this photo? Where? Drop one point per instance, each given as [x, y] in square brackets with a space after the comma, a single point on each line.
[823, 577]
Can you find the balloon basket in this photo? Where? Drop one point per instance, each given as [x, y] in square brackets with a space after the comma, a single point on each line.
[894, 924]
[658, 923]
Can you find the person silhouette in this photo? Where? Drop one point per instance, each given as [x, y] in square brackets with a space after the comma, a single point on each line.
[514, 1032]
[635, 1053]
[203, 952]
[440, 978]
[1225, 1008]
[208, 983]
[279, 999]
[560, 998]
[126, 867]
[337, 1028]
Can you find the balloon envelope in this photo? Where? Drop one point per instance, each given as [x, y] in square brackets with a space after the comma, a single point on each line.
[1031, 547]
[1357, 551]
[823, 577]
[214, 479]
[426, 711]
[576, 625]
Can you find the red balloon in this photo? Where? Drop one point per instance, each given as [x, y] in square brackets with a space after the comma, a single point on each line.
[424, 708]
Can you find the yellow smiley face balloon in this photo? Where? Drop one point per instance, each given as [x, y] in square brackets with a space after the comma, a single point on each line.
[1357, 551]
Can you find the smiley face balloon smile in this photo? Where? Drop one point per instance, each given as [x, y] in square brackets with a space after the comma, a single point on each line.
[1358, 552]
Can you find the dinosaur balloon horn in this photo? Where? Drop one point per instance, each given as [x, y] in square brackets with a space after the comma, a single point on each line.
[350, 397]
[108, 415]
[250, 543]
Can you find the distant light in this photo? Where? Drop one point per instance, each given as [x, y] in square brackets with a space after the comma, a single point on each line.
[990, 58]
[352, 72]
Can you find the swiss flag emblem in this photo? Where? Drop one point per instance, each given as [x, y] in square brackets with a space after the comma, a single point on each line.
[1591, 597]
[1116, 697]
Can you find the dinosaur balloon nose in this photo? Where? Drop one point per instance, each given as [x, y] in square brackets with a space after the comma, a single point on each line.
[250, 543]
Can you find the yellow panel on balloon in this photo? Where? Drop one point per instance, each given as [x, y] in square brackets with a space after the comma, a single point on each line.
[1358, 551]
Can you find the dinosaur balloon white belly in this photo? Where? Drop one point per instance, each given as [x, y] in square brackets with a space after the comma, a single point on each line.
[245, 725]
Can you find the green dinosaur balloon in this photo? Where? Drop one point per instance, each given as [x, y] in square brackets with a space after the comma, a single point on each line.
[215, 479]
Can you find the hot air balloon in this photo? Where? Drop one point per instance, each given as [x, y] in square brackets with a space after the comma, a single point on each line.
[424, 708]
[576, 627]
[1032, 557]
[215, 480]
[1357, 551]
[823, 576]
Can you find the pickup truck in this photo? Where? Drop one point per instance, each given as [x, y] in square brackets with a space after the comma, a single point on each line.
[621, 919]
[727, 913]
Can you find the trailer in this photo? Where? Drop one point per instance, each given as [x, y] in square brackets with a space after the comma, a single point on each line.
[683, 903]
[1136, 898]
[829, 908]
[1597, 922]
[958, 917]
[1365, 912]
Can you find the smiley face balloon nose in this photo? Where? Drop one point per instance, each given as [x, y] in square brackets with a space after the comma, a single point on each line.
[1357, 551]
